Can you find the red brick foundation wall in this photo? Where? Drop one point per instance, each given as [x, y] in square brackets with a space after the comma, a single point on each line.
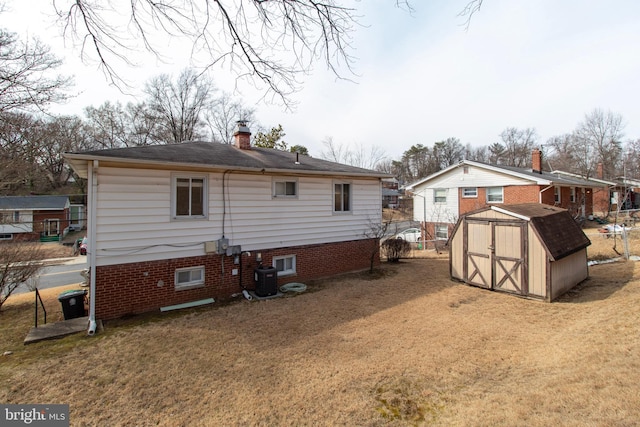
[140, 287]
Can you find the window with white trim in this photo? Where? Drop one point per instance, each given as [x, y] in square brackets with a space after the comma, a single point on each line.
[495, 194]
[6, 236]
[572, 195]
[189, 196]
[442, 232]
[341, 197]
[440, 195]
[189, 277]
[556, 194]
[470, 192]
[285, 188]
[285, 265]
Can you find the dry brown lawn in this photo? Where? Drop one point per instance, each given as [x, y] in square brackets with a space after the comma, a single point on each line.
[407, 347]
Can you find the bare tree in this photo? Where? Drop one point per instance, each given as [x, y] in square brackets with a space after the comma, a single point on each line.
[178, 106]
[599, 139]
[448, 152]
[222, 115]
[17, 265]
[362, 156]
[24, 67]
[517, 144]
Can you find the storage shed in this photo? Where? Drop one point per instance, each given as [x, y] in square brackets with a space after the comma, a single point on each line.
[531, 250]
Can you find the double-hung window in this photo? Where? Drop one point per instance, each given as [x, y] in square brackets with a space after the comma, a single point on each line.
[556, 194]
[285, 188]
[442, 232]
[189, 196]
[341, 197]
[440, 195]
[285, 265]
[572, 195]
[495, 195]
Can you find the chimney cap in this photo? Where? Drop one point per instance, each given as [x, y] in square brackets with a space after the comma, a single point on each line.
[241, 127]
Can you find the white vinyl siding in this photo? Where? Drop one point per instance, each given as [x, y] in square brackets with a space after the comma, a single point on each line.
[134, 224]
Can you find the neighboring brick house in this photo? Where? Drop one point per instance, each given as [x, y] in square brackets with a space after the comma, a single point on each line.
[34, 218]
[441, 198]
[184, 223]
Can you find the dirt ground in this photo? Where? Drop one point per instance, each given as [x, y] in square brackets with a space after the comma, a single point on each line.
[406, 347]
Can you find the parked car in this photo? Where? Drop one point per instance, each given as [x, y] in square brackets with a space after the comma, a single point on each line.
[412, 235]
[83, 246]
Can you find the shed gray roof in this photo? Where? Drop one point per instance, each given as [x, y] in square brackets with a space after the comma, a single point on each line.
[33, 202]
[559, 233]
[219, 156]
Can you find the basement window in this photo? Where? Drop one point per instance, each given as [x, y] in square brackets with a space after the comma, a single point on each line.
[442, 232]
[6, 236]
[285, 265]
[189, 277]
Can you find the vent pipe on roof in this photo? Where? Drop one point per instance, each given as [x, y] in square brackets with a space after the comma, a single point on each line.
[242, 135]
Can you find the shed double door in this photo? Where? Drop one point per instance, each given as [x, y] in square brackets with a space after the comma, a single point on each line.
[495, 255]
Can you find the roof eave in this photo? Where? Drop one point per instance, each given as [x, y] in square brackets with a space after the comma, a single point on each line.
[79, 163]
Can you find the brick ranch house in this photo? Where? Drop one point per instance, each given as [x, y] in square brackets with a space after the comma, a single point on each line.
[183, 223]
[34, 218]
[442, 197]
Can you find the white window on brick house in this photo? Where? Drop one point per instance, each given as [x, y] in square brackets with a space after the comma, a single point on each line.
[556, 194]
[442, 232]
[341, 197]
[189, 277]
[470, 192]
[440, 195]
[189, 196]
[572, 195]
[495, 194]
[285, 265]
[285, 188]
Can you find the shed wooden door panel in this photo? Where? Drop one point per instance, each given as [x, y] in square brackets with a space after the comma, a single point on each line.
[508, 258]
[478, 254]
[495, 255]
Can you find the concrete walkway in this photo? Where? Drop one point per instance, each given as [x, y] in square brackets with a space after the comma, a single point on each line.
[55, 330]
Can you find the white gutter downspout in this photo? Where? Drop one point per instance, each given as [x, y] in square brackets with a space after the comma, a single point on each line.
[542, 191]
[92, 185]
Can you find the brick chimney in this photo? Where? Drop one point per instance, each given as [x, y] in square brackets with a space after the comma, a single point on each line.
[600, 171]
[536, 160]
[242, 135]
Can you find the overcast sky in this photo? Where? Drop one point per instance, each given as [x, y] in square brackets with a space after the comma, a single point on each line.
[422, 77]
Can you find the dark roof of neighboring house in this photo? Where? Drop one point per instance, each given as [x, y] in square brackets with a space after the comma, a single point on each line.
[33, 202]
[558, 231]
[219, 156]
[390, 192]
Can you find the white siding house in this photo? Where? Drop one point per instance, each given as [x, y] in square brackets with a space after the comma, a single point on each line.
[207, 215]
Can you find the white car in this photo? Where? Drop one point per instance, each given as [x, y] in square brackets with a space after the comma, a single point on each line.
[412, 235]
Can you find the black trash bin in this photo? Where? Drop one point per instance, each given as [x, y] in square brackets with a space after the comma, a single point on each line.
[266, 281]
[72, 303]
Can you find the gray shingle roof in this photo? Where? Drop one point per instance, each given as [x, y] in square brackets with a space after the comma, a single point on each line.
[224, 156]
[33, 202]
